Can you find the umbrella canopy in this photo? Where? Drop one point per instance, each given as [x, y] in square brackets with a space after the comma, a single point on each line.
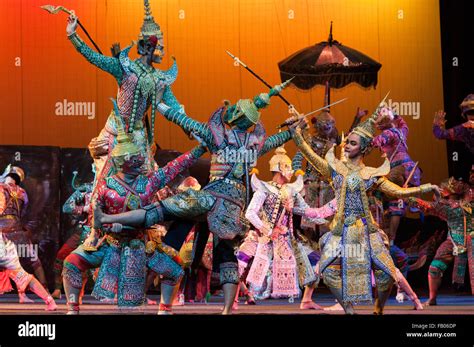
[329, 61]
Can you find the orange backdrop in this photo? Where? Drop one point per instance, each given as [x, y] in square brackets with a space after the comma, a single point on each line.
[41, 68]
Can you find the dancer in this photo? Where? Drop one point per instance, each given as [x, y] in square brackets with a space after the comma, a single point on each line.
[124, 250]
[13, 201]
[77, 205]
[234, 151]
[317, 191]
[141, 85]
[455, 208]
[403, 171]
[463, 132]
[353, 229]
[281, 263]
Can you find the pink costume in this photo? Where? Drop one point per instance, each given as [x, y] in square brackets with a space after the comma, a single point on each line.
[13, 200]
[280, 262]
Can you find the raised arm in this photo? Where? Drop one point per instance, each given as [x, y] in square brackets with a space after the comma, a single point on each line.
[186, 123]
[167, 173]
[275, 141]
[401, 125]
[319, 163]
[297, 162]
[169, 98]
[108, 64]
[454, 134]
[394, 190]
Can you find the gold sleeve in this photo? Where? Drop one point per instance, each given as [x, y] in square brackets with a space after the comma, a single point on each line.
[319, 163]
[394, 190]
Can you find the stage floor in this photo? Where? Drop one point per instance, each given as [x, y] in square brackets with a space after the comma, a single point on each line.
[447, 305]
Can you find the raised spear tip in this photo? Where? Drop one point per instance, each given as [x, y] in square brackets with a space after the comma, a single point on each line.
[287, 82]
[56, 9]
[383, 100]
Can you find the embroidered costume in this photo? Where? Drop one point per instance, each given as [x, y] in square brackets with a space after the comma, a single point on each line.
[353, 228]
[458, 247]
[281, 263]
[13, 201]
[317, 191]
[122, 258]
[462, 132]
[141, 86]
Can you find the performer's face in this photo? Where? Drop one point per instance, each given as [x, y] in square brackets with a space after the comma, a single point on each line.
[134, 165]
[159, 52]
[470, 115]
[9, 180]
[352, 147]
[325, 125]
[286, 172]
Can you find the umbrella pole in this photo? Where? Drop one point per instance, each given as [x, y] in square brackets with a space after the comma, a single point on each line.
[327, 95]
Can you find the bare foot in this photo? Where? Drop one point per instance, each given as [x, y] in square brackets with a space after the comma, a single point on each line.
[335, 307]
[309, 305]
[151, 302]
[250, 300]
[418, 305]
[349, 309]
[50, 304]
[23, 299]
[430, 302]
[235, 305]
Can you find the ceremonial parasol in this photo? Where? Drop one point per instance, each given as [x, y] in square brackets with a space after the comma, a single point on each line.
[329, 62]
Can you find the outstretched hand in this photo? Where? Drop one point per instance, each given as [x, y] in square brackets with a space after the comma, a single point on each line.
[439, 118]
[71, 24]
[361, 113]
[299, 125]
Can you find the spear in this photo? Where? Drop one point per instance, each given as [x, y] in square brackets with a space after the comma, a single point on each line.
[240, 62]
[310, 113]
[56, 9]
[412, 172]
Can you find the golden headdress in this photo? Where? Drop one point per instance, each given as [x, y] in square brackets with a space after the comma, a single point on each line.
[279, 158]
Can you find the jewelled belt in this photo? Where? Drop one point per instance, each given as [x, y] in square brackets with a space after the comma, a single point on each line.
[120, 241]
